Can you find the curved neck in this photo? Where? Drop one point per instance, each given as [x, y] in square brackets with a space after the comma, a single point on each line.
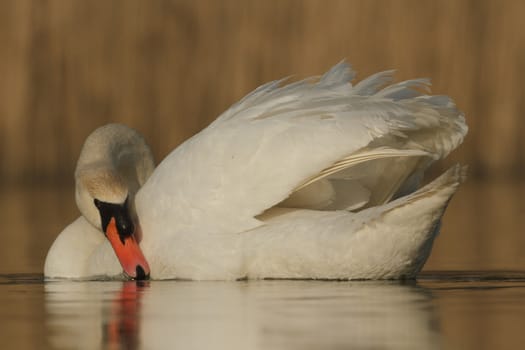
[114, 163]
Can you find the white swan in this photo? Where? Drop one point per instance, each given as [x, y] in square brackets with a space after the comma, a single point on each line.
[315, 179]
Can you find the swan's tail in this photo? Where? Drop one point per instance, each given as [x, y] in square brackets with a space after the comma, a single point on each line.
[421, 213]
[383, 242]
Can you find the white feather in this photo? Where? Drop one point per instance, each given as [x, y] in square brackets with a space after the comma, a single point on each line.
[277, 138]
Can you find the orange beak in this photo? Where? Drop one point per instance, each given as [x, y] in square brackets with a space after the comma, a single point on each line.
[128, 253]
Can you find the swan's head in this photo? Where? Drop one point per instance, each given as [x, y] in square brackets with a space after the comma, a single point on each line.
[113, 164]
[104, 200]
[98, 184]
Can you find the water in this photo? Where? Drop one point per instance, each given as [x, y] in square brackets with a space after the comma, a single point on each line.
[440, 310]
[475, 300]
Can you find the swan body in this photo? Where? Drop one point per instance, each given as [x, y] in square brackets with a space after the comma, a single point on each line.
[314, 179]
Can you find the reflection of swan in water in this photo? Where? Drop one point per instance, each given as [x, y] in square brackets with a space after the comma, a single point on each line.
[84, 316]
[121, 326]
[263, 314]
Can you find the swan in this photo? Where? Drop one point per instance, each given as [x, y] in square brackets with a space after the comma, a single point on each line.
[314, 179]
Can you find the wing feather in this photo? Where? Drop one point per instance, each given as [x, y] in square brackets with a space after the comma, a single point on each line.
[281, 138]
[362, 156]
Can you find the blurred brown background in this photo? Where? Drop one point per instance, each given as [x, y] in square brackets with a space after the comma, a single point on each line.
[168, 68]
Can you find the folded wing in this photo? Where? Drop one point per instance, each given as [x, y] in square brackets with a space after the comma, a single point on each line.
[319, 143]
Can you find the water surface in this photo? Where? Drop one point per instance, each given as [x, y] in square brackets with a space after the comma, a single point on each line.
[468, 310]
